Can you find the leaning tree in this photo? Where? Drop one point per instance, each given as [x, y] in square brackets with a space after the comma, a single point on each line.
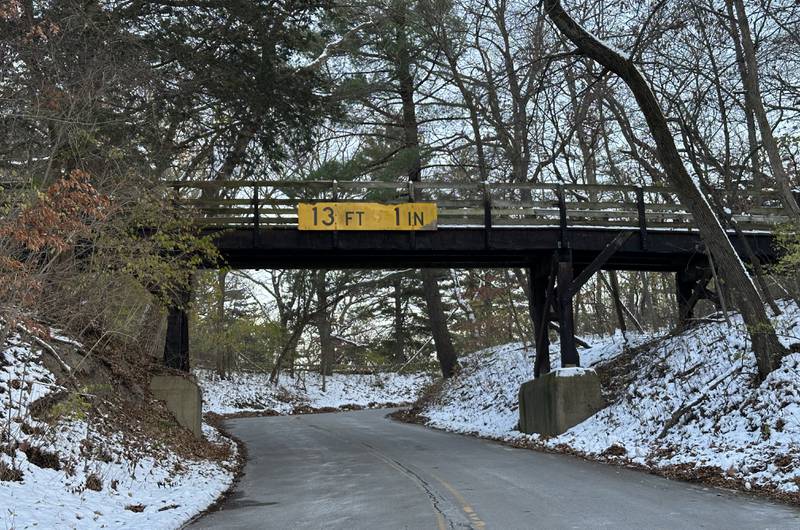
[766, 346]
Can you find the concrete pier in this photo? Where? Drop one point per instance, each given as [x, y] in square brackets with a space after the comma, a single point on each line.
[183, 398]
[558, 400]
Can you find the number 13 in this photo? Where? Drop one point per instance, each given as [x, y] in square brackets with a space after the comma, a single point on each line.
[327, 210]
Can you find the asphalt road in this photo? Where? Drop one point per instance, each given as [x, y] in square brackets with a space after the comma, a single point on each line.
[360, 470]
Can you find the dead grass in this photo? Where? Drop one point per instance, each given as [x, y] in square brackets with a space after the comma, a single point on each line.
[42, 459]
[9, 474]
[94, 483]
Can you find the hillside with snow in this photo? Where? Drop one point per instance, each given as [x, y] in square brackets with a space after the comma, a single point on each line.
[74, 456]
[252, 393]
[684, 405]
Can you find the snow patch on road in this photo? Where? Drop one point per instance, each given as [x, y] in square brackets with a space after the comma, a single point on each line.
[689, 405]
[252, 392]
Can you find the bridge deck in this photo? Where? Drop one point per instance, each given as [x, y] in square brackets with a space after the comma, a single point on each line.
[480, 224]
[466, 247]
[254, 225]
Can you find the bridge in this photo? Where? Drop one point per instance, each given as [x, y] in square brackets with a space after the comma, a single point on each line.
[562, 233]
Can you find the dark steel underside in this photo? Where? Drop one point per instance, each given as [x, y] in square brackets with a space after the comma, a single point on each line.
[466, 248]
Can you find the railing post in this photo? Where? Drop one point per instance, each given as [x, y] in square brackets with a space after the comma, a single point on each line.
[487, 215]
[562, 215]
[256, 216]
[412, 197]
[642, 217]
[487, 206]
[334, 198]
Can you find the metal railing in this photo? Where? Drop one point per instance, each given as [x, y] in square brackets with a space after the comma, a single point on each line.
[273, 204]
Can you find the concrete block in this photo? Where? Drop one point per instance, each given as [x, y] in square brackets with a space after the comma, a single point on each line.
[559, 400]
[183, 398]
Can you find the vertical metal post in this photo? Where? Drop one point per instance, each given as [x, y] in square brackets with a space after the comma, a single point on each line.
[334, 198]
[256, 216]
[540, 316]
[176, 345]
[642, 217]
[487, 215]
[566, 315]
[487, 206]
[412, 197]
[562, 215]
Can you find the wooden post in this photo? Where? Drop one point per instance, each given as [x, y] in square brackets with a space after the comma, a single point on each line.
[334, 198]
[566, 315]
[176, 345]
[256, 216]
[691, 287]
[487, 215]
[642, 217]
[684, 288]
[412, 197]
[539, 312]
[562, 216]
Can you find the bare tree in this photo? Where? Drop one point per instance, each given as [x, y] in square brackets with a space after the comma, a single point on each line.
[766, 346]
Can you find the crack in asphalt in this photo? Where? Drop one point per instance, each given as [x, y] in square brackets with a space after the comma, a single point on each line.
[435, 500]
[370, 474]
[429, 490]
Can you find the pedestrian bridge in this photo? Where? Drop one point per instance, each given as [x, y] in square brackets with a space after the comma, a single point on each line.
[562, 233]
[255, 224]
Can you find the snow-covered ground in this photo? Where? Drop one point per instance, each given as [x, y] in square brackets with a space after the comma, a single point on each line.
[732, 431]
[252, 392]
[65, 474]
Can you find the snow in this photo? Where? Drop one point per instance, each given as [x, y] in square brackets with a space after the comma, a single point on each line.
[169, 489]
[736, 431]
[572, 371]
[482, 400]
[252, 392]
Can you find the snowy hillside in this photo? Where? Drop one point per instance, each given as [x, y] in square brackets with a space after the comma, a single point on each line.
[253, 393]
[684, 406]
[59, 468]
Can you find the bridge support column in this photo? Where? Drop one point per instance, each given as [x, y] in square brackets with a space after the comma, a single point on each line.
[690, 288]
[684, 288]
[566, 314]
[554, 401]
[540, 317]
[176, 345]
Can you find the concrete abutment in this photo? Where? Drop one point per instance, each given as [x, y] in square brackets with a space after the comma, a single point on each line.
[183, 398]
[558, 400]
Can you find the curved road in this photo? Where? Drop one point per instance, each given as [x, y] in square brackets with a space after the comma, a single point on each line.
[360, 470]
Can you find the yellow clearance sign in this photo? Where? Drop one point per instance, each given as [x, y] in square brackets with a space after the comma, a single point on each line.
[367, 216]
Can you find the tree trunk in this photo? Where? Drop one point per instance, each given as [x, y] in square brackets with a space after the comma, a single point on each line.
[405, 81]
[445, 351]
[327, 352]
[766, 346]
[753, 91]
[614, 285]
[646, 301]
[433, 298]
[398, 347]
[222, 363]
[287, 350]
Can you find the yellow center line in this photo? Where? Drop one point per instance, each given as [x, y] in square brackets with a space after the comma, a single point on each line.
[465, 506]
